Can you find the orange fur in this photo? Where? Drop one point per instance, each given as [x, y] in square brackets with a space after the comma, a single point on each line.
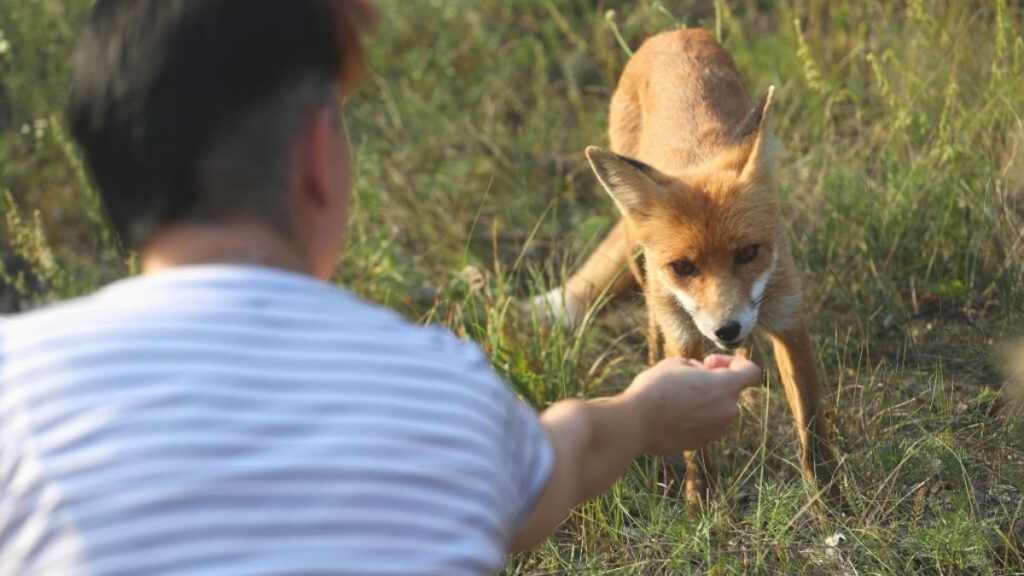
[693, 173]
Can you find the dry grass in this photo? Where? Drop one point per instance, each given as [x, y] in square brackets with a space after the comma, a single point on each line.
[902, 179]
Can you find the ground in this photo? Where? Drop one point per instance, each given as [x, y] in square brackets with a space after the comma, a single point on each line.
[903, 185]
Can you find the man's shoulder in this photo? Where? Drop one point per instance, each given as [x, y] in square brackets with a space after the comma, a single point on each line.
[232, 302]
[191, 293]
[46, 314]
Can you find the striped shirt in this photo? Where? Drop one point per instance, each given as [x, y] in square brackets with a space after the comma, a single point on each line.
[239, 420]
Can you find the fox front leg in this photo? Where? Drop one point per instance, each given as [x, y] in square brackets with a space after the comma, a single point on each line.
[653, 340]
[751, 398]
[799, 373]
[698, 486]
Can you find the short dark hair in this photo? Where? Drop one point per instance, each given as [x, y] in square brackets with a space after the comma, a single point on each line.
[155, 83]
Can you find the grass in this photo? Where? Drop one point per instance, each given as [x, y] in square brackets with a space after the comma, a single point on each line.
[904, 186]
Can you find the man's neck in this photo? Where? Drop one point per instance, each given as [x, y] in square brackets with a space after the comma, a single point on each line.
[193, 244]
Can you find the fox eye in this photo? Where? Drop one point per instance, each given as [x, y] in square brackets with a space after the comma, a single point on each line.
[747, 254]
[684, 268]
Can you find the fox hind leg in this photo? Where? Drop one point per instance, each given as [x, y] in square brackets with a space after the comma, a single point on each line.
[604, 272]
[605, 269]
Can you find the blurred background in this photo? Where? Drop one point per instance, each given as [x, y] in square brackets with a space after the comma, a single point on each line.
[902, 181]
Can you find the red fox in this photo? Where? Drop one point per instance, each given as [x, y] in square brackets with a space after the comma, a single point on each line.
[692, 170]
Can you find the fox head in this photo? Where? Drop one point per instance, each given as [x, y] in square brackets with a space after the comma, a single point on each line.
[711, 235]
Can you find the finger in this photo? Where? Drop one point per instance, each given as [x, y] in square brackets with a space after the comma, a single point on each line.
[732, 381]
[745, 374]
[717, 361]
[732, 363]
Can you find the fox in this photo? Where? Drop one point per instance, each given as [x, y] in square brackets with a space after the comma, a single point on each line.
[693, 171]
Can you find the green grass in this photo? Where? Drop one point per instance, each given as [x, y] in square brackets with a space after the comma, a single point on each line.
[903, 182]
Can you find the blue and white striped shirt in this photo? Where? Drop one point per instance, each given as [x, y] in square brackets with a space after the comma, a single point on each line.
[239, 420]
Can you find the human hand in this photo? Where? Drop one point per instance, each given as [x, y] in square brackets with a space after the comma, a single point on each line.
[682, 403]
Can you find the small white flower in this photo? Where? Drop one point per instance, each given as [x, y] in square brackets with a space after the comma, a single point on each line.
[836, 540]
[25, 129]
[832, 545]
[5, 46]
[40, 126]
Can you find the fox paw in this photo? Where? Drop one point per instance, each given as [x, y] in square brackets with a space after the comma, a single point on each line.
[556, 307]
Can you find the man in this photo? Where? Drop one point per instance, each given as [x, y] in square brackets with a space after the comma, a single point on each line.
[229, 412]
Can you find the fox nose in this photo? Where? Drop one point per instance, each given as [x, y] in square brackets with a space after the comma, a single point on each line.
[729, 331]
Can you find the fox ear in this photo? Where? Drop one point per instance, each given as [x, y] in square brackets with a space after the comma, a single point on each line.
[754, 136]
[631, 183]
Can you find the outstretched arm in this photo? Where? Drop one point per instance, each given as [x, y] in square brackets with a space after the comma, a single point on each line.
[677, 405]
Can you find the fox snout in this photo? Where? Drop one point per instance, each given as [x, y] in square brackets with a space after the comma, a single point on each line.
[726, 325]
[729, 331]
